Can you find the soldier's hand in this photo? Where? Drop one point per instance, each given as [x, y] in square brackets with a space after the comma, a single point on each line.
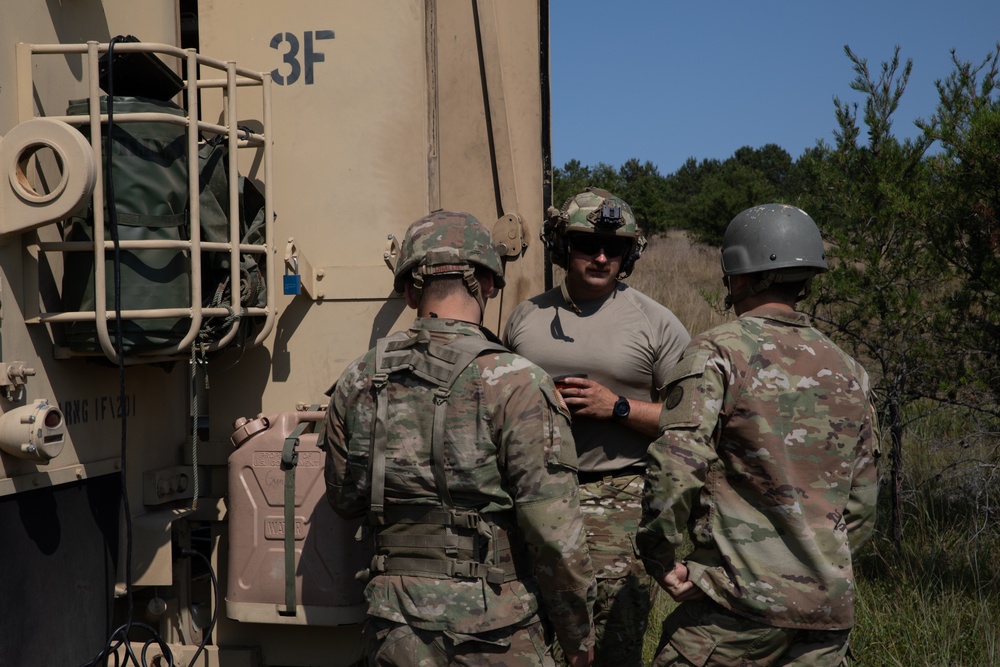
[587, 398]
[677, 584]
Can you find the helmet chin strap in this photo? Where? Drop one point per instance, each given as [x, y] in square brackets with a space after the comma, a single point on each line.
[755, 288]
[476, 290]
[806, 287]
[768, 279]
[468, 274]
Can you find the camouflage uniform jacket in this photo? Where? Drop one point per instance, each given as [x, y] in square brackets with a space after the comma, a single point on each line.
[508, 451]
[766, 456]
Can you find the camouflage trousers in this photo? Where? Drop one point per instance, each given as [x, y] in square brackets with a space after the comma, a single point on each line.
[611, 510]
[393, 644]
[703, 633]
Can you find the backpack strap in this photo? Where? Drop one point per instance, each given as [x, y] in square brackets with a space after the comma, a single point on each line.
[376, 455]
[466, 349]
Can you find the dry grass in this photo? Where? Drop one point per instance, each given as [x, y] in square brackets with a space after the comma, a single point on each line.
[685, 277]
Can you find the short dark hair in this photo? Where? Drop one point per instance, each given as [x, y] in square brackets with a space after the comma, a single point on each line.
[448, 285]
[782, 291]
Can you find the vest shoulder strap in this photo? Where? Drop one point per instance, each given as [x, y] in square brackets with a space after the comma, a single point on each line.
[438, 363]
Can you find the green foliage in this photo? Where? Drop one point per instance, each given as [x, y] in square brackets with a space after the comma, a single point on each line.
[705, 197]
[913, 234]
[638, 183]
[701, 197]
[683, 186]
[869, 199]
[642, 187]
[913, 287]
[966, 230]
[574, 177]
[940, 581]
[883, 291]
[912, 226]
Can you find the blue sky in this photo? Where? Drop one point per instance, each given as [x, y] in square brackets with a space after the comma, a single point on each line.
[663, 81]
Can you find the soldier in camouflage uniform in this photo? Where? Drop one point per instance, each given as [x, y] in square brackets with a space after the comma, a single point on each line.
[627, 344]
[767, 457]
[460, 455]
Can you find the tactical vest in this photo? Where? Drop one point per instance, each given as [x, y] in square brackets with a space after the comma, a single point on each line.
[439, 541]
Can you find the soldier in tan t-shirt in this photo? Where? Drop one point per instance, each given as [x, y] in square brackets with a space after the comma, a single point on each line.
[626, 344]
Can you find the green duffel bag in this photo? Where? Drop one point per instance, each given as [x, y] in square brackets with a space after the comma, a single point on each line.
[216, 290]
[150, 179]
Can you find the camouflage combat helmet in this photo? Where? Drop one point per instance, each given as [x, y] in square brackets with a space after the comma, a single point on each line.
[593, 211]
[777, 241]
[447, 243]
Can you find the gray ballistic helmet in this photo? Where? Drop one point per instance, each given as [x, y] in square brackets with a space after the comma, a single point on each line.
[773, 237]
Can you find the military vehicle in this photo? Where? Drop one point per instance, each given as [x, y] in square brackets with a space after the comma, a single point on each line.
[161, 492]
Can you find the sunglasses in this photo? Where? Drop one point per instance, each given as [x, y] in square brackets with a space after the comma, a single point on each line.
[593, 244]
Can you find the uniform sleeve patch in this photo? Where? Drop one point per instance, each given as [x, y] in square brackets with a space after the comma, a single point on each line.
[555, 399]
[673, 397]
[560, 450]
[690, 365]
[679, 408]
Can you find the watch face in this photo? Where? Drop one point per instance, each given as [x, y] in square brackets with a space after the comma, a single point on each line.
[622, 407]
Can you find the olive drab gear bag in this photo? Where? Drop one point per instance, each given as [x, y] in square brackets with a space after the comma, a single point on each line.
[149, 173]
[150, 177]
[439, 541]
[213, 161]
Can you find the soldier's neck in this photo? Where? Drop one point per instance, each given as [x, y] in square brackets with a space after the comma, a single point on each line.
[451, 309]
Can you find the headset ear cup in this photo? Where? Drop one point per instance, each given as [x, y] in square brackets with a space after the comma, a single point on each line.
[555, 241]
[559, 251]
[629, 263]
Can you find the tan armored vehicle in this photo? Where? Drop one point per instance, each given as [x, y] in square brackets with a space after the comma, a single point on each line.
[198, 220]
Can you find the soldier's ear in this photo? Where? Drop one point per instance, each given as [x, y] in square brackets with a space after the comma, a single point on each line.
[487, 284]
[412, 294]
[739, 282]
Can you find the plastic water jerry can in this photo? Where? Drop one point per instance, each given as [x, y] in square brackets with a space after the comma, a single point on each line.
[326, 554]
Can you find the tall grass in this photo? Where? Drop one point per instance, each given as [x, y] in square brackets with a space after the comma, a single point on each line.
[683, 276]
[934, 599]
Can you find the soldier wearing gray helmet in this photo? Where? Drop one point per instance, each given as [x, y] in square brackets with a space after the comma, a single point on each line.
[460, 456]
[625, 343]
[767, 459]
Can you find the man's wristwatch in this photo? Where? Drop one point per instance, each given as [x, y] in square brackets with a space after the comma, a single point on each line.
[621, 409]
